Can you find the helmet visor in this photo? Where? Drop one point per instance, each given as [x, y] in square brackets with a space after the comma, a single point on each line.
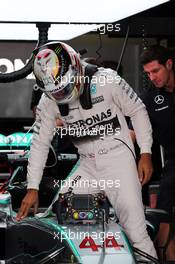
[61, 90]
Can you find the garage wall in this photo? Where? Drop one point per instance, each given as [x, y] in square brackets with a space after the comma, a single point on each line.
[15, 97]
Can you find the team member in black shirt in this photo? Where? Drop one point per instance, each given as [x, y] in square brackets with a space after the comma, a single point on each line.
[157, 63]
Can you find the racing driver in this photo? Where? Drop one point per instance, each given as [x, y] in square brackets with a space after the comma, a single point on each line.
[91, 104]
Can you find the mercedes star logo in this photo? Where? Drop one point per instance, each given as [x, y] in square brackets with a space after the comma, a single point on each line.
[159, 99]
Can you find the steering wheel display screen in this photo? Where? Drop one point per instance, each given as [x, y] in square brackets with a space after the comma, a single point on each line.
[82, 203]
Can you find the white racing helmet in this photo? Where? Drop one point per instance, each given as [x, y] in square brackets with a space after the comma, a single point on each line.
[57, 69]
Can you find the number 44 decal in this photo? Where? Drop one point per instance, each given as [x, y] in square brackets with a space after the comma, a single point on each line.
[109, 242]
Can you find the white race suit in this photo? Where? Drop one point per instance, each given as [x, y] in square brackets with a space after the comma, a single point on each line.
[106, 159]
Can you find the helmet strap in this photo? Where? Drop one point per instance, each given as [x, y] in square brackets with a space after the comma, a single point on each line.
[64, 109]
[85, 97]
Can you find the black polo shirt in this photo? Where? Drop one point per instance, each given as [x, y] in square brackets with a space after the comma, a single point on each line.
[160, 105]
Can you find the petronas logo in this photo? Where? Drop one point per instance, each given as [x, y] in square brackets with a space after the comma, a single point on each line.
[58, 49]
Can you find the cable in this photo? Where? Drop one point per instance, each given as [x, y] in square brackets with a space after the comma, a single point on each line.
[127, 147]
[7, 183]
[26, 134]
[27, 69]
[55, 156]
[123, 49]
[99, 48]
[146, 255]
